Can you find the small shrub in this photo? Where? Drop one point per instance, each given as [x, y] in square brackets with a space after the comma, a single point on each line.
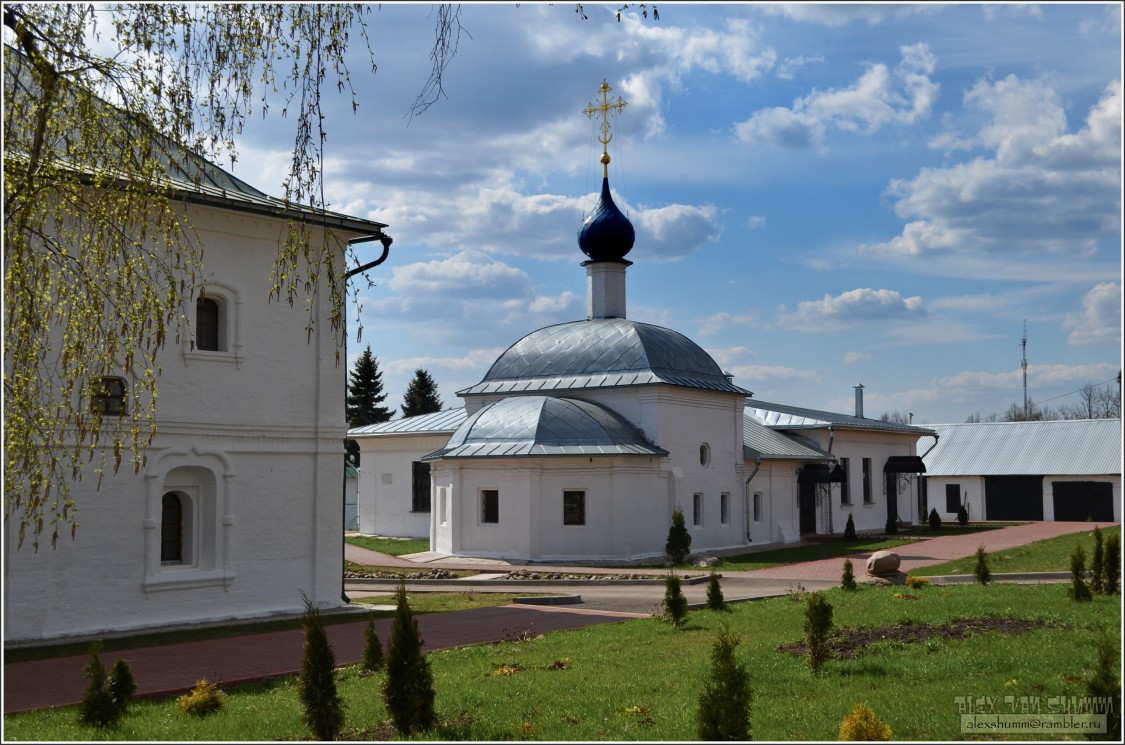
[322, 707]
[675, 604]
[962, 516]
[981, 571]
[97, 707]
[818, 624]
[934, 519]
[1105, 684]
[121, 685]
[1097, 564]
[848, 580]
[678, 546]
[1112, 564]
[724, 705]
[849, 529]
[372, 648]
[915, 582]
[891, 528]
[863, 725]
[408, 689]
[1079, 590]
[206, 698]
[715, 599]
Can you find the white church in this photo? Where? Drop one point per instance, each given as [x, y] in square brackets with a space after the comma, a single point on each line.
[584, 437]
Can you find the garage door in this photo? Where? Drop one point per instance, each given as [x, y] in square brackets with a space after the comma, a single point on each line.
[1083, 500]
[1013, 497]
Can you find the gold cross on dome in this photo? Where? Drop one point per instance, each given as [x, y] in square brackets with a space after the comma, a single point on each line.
[605, 108]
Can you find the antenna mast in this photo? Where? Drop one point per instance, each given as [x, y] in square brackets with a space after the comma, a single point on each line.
[1023, 365]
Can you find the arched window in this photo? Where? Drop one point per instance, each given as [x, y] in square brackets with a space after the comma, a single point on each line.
[109, 398]
[172, 529]
[207, 324]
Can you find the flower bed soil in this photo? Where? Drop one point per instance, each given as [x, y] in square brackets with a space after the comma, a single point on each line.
[850, 643]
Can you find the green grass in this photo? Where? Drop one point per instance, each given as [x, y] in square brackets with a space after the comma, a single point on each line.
[390, 546]
[1051, 555]
[641, 679]
[779, 556]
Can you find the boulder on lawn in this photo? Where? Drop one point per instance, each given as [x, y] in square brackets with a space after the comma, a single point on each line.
[882, 563]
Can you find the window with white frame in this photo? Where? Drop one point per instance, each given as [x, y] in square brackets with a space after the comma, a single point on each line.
[110, 397]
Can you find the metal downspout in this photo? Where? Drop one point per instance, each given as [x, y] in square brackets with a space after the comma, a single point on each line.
[757, 467]
[924, 481]
[386, 240]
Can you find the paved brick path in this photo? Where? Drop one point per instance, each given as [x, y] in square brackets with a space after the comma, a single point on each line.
[174, 668]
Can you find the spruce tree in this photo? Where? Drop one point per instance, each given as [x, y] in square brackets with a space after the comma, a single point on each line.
[715, 599]
[1104, 686]
[323, 709]
[934, 519]
[847, 581]
[372, 648]
[121, 685]
[1097, 564]
[1079, 590]
[98, 707]
[724, 705]
[675, 604]
[818, 624]
[849, 529]
[1112, 564]
[962, 516]
[981, 571]
[365, 393]
[678, 546]
[421, 396]
[408, 689]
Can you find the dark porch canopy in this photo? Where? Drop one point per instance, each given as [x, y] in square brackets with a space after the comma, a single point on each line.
[904, 464]
[821, 473]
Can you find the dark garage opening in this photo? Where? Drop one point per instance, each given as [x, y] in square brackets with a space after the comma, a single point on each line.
[1078, 501]
[1013, 497]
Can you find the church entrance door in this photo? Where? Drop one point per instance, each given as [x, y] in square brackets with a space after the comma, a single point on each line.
[806, 503]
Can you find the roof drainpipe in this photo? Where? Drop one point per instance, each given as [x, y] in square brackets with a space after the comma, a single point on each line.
[757, 467]
[935, 436]
[859, 400]
[386, 240]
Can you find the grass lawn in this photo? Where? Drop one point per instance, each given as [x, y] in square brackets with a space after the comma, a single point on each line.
[641, 679]
[778, 556]
[1051, 555]
[390, 546]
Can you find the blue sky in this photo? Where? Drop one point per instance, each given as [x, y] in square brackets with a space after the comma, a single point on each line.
[824, 195]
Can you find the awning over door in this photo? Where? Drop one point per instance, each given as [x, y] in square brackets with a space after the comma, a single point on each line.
[820, 473]
[904, 464]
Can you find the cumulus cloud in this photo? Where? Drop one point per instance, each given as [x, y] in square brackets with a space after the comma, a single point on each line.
[880, 97]
[677, 230]
[1099, 322]
[841, 14]
[716, 322]
[851, 308]
[853, 357]
[466, 274]
[751, 375]
[1044, 190]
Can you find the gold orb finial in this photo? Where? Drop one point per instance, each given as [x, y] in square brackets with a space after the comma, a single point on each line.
[605, 108]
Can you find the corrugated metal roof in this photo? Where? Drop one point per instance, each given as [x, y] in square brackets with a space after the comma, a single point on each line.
[545, 425]
[781, 416]
[1053, 448]
[424, 424]
[760, 441]
[602, 353]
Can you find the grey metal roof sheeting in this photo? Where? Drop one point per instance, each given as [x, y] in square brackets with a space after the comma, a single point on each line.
[780, 416]
[602, 353]
[439, 422]
[545, 425]
[760, 441]
[1052, 448]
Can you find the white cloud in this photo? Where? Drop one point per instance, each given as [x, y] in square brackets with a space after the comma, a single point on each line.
[841, 14]
[851, 308]
[853, 357]
[1045, 191]
[756, 222]
[555, 304]
[788, 67]
[751, 375]
[1100, 319]
[879, 97]
[716, 322]
[677, 230]
[464, 275]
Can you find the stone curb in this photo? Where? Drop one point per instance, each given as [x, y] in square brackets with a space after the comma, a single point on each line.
[955, 579]
[421, 583]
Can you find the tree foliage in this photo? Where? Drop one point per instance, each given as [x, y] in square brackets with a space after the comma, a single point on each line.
[365, 393]
[818, 624]
[408, 689]
[678, 546]
[421, 395]
[107, 697]
[715, 599]
[675, 604]
[321, 704]
[724, 705]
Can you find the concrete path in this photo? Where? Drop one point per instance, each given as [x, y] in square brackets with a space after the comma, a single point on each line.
[174, 668]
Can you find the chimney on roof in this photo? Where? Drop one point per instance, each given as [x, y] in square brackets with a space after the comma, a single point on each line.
[859, 400]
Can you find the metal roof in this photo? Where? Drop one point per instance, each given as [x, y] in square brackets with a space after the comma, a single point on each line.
[545, 425]
[759, 441]
[602, 353]
[1053, 448]
[441, 422]
[780, 416]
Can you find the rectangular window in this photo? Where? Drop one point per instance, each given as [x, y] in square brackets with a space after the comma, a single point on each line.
[757, 507]
[489, 506]
[867, 481]
[420, 487]
[952, 497]
[574, 508]
[443, 504]
[845, 493]
[109, 398]
[724, 508]
[697, 510]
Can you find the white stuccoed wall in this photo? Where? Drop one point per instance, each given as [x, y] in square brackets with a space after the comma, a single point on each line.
[257, 430]
[385, 484]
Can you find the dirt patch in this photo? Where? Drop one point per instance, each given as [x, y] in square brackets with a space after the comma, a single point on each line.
[850, 643]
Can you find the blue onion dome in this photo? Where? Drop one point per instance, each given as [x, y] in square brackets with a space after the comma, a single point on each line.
[606, 235]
